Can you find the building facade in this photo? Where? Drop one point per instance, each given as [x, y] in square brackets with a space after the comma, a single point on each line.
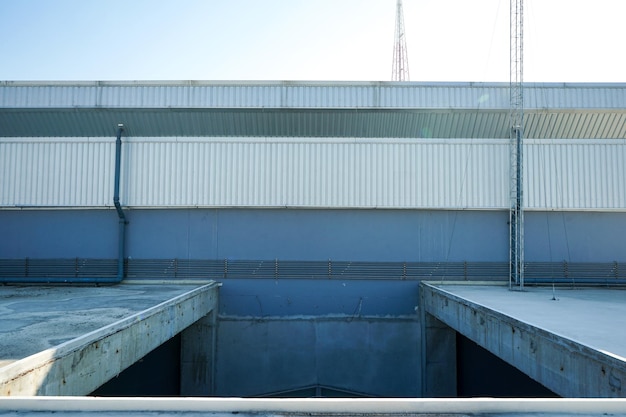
[319, 206]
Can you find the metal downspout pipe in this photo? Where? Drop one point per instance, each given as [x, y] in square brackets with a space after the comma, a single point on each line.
[121, 240]
[116, 201]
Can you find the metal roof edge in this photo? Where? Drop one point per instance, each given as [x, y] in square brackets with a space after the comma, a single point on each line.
[300, 83]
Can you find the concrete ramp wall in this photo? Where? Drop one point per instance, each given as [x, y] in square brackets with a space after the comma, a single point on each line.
[373, 356]
[358, 336]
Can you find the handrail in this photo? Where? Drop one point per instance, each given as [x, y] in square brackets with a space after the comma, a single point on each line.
[89, 270]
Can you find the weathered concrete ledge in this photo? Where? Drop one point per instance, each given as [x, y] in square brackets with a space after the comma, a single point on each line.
[79, 366]
[43, 406]
[566, 366]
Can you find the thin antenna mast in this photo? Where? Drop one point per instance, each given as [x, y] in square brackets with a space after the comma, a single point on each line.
[400, 70]
[516, 125]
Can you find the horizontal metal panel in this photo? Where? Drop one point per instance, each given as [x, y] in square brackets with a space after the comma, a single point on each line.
[366, 123]
[311, 172]
[367, 174]
[56, 173]
[582, 174]
[198, 94]
[253, 123]
[308, 109]
[574, 125]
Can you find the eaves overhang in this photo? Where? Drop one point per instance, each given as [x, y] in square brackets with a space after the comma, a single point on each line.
[308, 109]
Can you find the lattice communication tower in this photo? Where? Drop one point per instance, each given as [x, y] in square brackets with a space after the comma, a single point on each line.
[400, 70]
[516, 125]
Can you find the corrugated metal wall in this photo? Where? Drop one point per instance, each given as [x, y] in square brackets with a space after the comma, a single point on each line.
[185, 94]
[346, 123]
[57, 172]
[565, 174]
[308, 109]
[295, 172]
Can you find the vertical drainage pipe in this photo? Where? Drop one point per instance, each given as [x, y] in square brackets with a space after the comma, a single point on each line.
[121, 240]
[116, 201]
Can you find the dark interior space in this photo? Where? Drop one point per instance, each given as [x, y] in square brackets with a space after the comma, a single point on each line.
[157, 374]
[482, 374]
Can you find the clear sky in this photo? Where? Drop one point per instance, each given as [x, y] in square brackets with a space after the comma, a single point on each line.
[448, 40]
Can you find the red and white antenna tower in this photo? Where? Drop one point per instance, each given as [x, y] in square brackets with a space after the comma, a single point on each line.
[400, 70]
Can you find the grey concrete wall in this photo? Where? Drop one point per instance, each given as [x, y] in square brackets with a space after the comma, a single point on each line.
[353, 335]
[317, 297]
[371, 355]
[197, 357]
[439, 365]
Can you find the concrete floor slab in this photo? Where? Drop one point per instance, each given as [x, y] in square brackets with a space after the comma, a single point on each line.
[33, 318]
[569, 339]
[594, 317]
[46, 333]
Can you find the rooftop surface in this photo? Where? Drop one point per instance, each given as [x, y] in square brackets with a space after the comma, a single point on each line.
[35, 318]
[593, 317]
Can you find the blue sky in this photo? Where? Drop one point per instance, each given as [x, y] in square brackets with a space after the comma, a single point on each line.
[448, 40]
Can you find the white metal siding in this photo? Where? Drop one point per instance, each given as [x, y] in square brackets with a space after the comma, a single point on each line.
[314, 173]
[311, 172]
[197, 94]
[56, 172]
[562, 174]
